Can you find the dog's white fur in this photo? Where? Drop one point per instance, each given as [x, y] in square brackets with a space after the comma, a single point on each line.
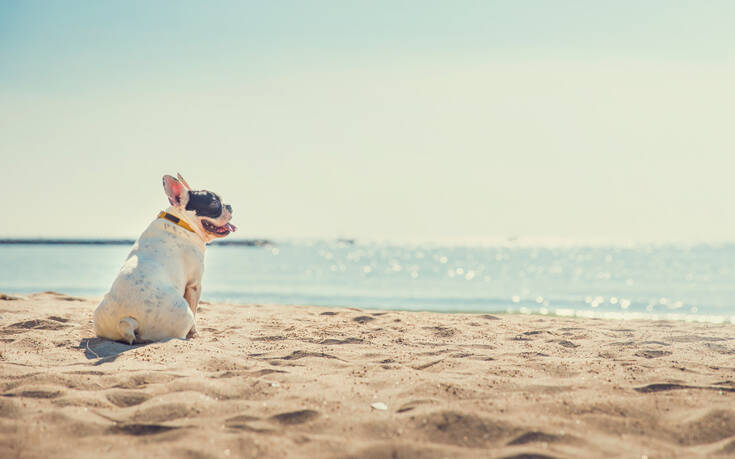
[156, 294]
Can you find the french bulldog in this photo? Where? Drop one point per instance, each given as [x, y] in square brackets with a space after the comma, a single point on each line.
[156, 293]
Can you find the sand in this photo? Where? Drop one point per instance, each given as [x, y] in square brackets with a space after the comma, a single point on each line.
[286, 381]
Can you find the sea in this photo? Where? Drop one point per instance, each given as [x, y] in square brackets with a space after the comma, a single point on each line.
[694, 282]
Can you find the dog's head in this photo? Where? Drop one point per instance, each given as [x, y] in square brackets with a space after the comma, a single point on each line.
[205, 207]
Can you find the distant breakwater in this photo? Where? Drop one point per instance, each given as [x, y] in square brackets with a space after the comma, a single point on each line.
[235, 242]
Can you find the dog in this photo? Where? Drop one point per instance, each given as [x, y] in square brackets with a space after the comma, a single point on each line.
[156, 293]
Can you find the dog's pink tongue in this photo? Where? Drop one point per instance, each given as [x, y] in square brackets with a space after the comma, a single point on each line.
[230, 227]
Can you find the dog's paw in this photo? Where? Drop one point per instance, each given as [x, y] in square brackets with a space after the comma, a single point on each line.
[193, 333]
[127, 329]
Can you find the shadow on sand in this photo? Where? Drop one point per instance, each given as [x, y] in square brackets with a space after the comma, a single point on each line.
[103, 350]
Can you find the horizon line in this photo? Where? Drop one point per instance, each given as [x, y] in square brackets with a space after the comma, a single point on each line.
[511, 241]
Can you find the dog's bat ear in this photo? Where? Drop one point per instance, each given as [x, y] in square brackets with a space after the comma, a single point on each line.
[181, 179]
[177, 194]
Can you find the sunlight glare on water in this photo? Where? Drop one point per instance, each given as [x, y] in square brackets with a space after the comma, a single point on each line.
[682, 282]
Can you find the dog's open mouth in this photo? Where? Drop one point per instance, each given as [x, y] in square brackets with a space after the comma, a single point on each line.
[223, 230]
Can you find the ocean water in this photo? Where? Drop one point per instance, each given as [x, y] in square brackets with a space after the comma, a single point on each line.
[694, 282]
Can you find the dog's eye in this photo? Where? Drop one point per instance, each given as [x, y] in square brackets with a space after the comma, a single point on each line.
[205, 203]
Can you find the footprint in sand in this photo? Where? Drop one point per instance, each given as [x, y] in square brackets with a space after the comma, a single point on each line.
[461, 429]
[244, 422]
[35, 393]
[538, 437]
[140, 429]
[363, 319]
[397, 449]
[296, 355]
[694, 339]
[164, 412]
[240, 419]
[661, 387]
[489, 317]
[125, 398]
[58, 319]
[519, 338]
[651, 353]
[442, 332]
[270, 339]
[350, 340]
[60, 296]
[426, 365]
[533, 332]
[255, 424]
[250, 424]
[528, 456]
[720, 349]
[461, 355]
[6, 297]
[39, 324]
[295, 417]
[412, 405]
[528, 355]
[143, 379]
[266, 371]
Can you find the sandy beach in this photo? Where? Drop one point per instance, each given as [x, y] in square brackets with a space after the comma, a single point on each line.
[286, 381]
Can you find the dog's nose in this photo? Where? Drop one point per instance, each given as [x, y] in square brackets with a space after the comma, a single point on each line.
[229, 208]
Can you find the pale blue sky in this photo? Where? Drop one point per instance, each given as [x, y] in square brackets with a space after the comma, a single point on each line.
[407, 120]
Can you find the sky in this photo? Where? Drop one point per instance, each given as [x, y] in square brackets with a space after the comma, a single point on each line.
[385, 120]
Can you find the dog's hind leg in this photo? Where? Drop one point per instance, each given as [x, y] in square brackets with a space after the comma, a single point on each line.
[127, 328]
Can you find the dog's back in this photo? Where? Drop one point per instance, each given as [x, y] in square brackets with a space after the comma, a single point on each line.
[146, 302]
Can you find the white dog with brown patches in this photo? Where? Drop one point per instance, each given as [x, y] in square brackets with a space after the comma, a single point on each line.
[156, 294]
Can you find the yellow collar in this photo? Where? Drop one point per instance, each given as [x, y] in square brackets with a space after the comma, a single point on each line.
[176, 220]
